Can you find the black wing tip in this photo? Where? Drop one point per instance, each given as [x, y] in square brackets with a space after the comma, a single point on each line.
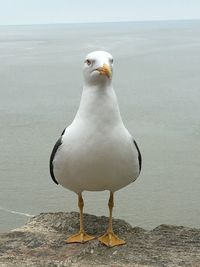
[52, 175]
[51, 166]
[56, 146]
[139, 155]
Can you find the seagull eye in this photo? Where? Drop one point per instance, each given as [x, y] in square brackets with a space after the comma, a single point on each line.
[111, 60]
[88, 62]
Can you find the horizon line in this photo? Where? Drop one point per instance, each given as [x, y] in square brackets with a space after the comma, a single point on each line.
[100, 22]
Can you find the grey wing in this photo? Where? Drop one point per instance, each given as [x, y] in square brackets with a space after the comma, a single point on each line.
[53, 153]
[139, 155]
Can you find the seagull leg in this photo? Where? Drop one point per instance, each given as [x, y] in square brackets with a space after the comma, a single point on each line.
[109, 238]
[81, 236]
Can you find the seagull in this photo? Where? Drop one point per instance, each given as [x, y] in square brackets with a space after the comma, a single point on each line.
[96, 152]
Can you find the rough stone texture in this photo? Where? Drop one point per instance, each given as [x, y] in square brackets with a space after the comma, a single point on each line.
[40, 243]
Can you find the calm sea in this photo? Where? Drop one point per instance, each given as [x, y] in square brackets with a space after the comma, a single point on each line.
[157, 81]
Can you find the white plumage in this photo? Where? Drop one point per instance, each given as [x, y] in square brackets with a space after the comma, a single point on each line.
[96, 152]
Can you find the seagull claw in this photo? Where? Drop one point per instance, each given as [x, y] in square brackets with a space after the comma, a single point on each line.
[80, 237]
[110, 240]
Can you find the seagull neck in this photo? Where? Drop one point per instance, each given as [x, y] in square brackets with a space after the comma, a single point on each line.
[99, 102]
[99, 88]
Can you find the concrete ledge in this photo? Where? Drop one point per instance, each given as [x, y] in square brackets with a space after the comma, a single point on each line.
[40, 243]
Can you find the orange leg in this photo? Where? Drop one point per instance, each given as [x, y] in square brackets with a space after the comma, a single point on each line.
[109, 238]
[81, 236]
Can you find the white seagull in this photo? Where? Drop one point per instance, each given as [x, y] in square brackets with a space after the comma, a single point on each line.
[96, 152]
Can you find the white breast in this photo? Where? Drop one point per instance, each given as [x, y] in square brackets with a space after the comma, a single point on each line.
[97, 151]
[95, 162]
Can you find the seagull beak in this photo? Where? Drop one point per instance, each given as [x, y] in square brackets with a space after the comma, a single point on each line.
[105, 70]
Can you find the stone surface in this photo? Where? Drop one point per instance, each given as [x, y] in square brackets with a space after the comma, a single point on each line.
[40, 243]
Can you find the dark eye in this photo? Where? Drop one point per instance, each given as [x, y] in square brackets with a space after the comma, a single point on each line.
[88, 62]
[111, 60]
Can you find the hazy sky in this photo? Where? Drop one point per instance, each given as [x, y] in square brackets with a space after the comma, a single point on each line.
[61, 11]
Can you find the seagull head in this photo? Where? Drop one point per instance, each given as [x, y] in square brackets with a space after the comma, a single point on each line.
[98, 68]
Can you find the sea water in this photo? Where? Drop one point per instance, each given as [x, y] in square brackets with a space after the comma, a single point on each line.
[157, 81]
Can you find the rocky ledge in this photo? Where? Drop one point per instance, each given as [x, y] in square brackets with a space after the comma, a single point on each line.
[40, 243]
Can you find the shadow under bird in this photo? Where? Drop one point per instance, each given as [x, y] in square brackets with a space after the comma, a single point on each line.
[96, 152]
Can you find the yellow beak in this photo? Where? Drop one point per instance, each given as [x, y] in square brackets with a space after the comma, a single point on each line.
[105, 70]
